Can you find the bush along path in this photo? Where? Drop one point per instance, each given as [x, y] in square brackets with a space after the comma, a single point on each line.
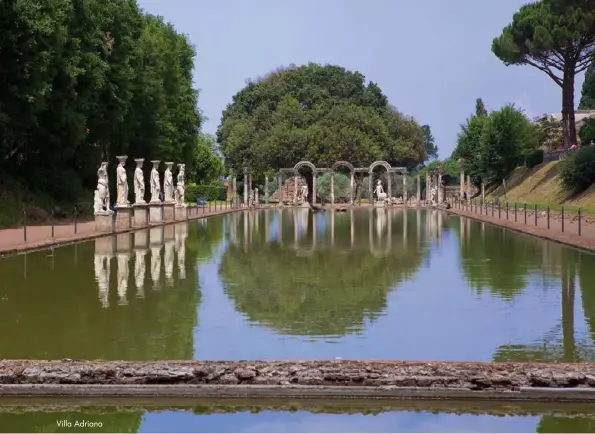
[572, 228]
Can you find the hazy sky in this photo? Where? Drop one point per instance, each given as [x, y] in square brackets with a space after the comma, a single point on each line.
[432, 58]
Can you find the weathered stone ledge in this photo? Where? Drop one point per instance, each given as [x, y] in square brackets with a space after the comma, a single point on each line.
[319, 378]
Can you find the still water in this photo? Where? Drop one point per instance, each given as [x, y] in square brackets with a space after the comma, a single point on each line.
[290, 284]
[294, 416]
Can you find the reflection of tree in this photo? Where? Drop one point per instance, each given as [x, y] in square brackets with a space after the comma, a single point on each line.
[204, 237]
[587, 287]
[496, 259]
[550, 424]
[54, 312]
[48, 422]
[330, 291]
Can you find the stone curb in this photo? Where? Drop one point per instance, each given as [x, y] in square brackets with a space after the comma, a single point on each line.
[303, 379]
[31, 247]
[531, 231]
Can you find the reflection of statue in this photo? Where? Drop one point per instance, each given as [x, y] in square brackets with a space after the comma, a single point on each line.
[168, 258]
[101, 197]
[180, 247]
[155, 265]
[122, 183]
[179, 194]
[155, 183]
[379, 192]
[102, 273]
[139, 272]
[380, 220]
[168, 183]
[123, 260]
[139, 182]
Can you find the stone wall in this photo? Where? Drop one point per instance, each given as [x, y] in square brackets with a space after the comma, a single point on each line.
[438, 375]
[286, 194]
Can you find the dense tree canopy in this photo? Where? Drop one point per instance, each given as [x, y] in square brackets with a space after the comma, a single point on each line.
[208, 165]
[556, 37]
[430, 147]
[318, 113]
[587, 101]
[84, 81]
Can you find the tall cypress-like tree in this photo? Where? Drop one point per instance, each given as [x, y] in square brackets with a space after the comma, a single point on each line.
[587, 101]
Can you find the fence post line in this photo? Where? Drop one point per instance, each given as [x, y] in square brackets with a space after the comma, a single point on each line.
[535, 212]
[25, 225]
[547, 216]
[525, 212]
[52, 218]
[562, 219]
[75, 220]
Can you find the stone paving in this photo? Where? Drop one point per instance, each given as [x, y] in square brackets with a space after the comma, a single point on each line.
[37, 237]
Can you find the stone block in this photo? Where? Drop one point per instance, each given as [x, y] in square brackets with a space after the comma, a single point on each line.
[103, 222]
[155, 215]
[181, 212]
[169, 212]
[141, 239]
[123, 217]
[140, 217]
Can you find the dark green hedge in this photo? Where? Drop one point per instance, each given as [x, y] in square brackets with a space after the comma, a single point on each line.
[578, 170]
[534, 158]
[207, 192]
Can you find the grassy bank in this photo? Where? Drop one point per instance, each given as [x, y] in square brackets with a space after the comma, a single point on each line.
[541, 186]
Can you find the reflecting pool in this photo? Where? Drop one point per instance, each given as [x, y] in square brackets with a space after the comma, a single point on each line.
[294, 416]
[292, 284]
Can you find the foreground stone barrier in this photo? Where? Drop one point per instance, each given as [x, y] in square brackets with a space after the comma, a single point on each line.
[336, 378]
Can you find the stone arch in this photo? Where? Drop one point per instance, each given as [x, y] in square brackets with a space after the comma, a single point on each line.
[343, 163]
[312, 184]
[388, 168]
[301, 164]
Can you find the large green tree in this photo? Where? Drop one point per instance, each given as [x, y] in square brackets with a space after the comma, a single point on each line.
[208, 165]
[317, 113]
[587, 101]
[83, 81]
[429, 146]
[556, 37]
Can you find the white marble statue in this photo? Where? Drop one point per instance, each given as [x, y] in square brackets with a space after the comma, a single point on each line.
[139, 272]
[102, 274]
[168, 183]
[433, 195]
[379, 192]
[123, 272]
[303, 194]
[155, 265]
[168, 259]
[121, 183]
[155, 183]
[139, 182]
[101, 197]
[180, 188]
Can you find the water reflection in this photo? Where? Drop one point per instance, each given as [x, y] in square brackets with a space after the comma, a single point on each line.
[298, 416]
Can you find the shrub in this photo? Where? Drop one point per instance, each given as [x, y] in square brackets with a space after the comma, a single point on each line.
[533, 158]
[578, 170]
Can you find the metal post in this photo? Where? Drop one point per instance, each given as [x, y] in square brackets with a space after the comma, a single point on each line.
[506, 210]
[548, 217]
[525, 212]
[25, 225]
[515, 212]
[579, 222]
[499, 210]
[492, 209]
[75, 220]
[52, 217]
[562, 219]
[535, 212]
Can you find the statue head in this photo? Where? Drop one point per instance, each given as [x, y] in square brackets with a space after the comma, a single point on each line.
[169, 165]
[378, 182]
[122, 159]
[181, 168]
[139, 162]
[155, 164]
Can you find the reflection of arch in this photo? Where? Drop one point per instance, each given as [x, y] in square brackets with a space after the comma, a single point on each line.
[305, 220]
[375, 251]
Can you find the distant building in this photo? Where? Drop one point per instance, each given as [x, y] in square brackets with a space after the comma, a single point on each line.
[579, 117]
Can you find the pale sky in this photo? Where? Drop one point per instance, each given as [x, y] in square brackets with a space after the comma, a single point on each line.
[431, 58]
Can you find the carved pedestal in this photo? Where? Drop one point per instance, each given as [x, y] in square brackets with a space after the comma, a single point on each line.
[169, 211]
[379, 204]
[140, 215]
[103, 222]
[123, 215]
[155, 213]
[180, 212]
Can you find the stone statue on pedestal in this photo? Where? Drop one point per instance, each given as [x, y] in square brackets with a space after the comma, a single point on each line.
[179, 194]
[122, 183]
[139, 182]
[155, 183]
[101, 200]
[168, 183]
[379, 192]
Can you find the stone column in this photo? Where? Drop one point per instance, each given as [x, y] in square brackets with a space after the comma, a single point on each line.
[280, 188]
[295, 188]
[245, 186]
[440, 192]
[404, 188]
[352, 184]
[390, 185]
[418, 189]
[428, 187]
[483, 192]
[266, 189]
[468, 187]
[332, 188]
[314, 175]
[462, 185]
[371, 199]
[234, 187]
[249, 182]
